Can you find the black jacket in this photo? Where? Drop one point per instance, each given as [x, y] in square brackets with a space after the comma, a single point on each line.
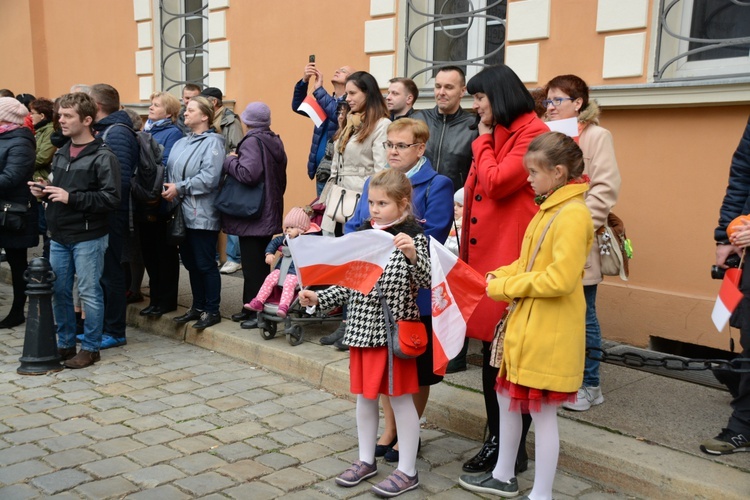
[121, 140]
[737, 199]
[449, 146]
[92, 181]
[17, 156]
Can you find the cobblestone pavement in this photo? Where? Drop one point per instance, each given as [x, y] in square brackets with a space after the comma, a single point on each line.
[162, 419]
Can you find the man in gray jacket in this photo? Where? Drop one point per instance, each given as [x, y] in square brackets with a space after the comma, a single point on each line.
[449, 146]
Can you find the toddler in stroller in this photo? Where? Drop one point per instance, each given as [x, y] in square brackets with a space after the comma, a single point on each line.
[296, 222]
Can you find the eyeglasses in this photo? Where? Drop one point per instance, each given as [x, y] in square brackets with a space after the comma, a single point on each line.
[400, 146]
[556, 101]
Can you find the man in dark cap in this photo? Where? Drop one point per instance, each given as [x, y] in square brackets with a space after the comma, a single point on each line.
[226, 122]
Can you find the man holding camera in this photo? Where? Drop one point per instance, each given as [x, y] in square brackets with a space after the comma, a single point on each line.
[736, 436]
[329, 103]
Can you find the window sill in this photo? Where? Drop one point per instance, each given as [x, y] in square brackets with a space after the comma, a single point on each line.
[673, 94]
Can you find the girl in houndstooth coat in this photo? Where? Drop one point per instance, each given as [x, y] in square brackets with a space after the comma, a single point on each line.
[408, 270]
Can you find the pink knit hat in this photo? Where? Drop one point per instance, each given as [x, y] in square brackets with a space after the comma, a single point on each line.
[299, 219]
[12, 111]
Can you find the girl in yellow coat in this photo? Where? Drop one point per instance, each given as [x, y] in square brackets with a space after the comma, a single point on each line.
[545, 339]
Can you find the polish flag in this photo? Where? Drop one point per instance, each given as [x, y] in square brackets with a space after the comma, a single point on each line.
[456, 290]
[312, 109]
[354, 261]
[729, 297]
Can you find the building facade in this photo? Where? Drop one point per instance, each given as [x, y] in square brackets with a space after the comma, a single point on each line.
[672, 78]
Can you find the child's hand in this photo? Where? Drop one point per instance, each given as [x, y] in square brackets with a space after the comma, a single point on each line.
[270, 258]
[405, 243]
[308, 298]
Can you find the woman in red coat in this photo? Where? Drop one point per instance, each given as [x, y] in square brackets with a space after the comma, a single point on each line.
[498, 205]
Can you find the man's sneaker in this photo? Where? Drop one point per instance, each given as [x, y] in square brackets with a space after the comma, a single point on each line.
[356, 473]
[585, 399]
[108, 341]
[725, 443]
[230, 267]
[395, 484]
[336, 335]
[485, 483]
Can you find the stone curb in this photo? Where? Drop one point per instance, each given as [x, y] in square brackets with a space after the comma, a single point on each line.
[624, 463]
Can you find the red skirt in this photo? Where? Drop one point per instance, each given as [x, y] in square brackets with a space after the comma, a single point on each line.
[368, 373]
[529, 400]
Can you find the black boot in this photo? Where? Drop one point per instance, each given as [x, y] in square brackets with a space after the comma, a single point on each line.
[13, 319]
[486, 459]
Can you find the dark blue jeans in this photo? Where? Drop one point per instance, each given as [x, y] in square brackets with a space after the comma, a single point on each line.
[197, 252]
[593, 337]
[740, 420]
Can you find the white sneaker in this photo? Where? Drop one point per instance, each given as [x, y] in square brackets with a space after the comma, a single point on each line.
[230, 267]
[585, 399]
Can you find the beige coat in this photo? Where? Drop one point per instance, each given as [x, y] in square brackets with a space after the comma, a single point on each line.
[600, 165]
[359, 161]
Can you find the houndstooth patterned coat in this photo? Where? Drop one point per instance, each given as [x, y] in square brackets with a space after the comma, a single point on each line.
[365, 324]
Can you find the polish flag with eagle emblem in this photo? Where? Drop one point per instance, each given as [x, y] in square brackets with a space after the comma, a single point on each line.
[456, 291]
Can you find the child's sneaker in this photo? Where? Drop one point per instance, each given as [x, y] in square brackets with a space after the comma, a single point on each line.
[395, 484]
[282, 310]
[356, 473]
[254, 305]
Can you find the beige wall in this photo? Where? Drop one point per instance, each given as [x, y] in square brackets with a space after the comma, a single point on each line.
[51, 45]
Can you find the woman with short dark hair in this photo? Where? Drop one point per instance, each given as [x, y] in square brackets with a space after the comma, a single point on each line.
[498, 205]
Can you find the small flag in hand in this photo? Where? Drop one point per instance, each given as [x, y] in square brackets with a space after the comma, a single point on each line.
[312, 109]
[456, 291]
[728, 299]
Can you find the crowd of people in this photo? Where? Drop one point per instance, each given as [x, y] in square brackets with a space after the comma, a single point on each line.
[516, 202]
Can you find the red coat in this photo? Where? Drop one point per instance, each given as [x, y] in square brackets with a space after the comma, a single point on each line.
[498, 205]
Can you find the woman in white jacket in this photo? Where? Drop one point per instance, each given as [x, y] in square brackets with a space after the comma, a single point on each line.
[194, 170]
[358, 146]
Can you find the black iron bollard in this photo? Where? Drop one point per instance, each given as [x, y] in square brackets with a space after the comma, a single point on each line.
[40, 354]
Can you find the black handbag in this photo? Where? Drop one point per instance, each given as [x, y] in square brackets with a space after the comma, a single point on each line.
[242, 200]
[13, 215]
[176, 229]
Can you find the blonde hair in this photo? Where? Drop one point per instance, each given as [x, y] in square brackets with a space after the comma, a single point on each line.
[395, 185]
[170, 103]
[418, 129]
[205, 107]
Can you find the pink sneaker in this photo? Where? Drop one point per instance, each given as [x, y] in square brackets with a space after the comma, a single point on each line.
[254, 305]
[282, 310]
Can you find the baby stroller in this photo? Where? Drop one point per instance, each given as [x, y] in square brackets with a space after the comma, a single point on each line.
[268, 320]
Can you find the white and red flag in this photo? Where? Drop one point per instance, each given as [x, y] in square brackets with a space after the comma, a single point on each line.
[729, 296]
[312, 109]
[456, 291]
[355, 260]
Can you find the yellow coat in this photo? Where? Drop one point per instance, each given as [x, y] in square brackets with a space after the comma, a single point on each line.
[545, 340]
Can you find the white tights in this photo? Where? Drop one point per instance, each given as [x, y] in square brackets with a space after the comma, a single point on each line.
[547, 446]
[407, 423]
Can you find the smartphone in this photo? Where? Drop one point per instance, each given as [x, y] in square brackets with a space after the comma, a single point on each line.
[312, 58]
[39, 186]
